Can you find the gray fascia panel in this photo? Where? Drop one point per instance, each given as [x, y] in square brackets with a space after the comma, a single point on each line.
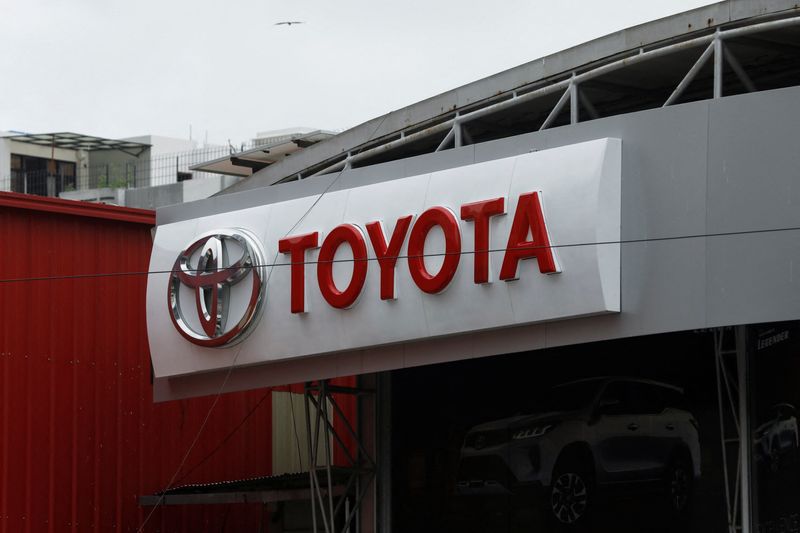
[674, 276]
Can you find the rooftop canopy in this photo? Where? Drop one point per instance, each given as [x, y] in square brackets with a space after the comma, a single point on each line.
[77, 141]
[249, 161]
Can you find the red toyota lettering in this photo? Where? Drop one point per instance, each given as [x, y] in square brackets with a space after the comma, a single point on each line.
[528, 218]
[387, 255]
[296, 246]
[480, 213]
[445, 219]
[350, 234]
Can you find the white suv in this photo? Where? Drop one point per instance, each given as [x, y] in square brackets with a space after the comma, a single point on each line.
[588, 434]
[778, 439]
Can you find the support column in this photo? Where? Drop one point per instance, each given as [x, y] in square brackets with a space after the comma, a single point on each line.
[745, 447]
[342, 495]
[367, 431]
[717, 66]
[384, 458]
[574, 103]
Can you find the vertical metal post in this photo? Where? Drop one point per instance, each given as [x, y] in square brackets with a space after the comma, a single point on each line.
[383, 483]
[366, 431]
[323, 409]
[367, 511]
[574, 103]
[311, 459]
[744, 424]
[719, 336]
[717, 66]
[358, 505]
[457, 130]
[347, 512]
[315, 436]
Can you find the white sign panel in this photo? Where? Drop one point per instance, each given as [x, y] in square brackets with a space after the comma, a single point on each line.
[503, 243]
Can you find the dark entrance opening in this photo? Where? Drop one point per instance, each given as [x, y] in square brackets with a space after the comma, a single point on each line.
[611, 436]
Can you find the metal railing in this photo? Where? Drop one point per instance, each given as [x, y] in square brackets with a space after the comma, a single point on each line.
[38, 182]
[126, 172]
[567, 85]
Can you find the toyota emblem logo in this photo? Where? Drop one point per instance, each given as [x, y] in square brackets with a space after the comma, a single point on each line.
[215, 291]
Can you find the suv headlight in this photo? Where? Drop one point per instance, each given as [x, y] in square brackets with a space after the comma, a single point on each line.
[532, 432]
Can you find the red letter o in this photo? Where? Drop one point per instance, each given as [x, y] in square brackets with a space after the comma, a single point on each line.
[444, 218]
[345, 233]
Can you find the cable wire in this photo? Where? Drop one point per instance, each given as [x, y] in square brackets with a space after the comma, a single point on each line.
[236, 356]
[194, 442]
[441, 254]
[227, 437]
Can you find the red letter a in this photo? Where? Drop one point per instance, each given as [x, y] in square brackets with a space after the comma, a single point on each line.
[528, 217]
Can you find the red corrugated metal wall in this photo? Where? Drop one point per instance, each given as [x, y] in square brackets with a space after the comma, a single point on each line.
[80, 437]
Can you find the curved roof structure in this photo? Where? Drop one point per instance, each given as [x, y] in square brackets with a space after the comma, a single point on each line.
[722, 49]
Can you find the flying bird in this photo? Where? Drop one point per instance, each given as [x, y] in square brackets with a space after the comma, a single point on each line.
[289, 22]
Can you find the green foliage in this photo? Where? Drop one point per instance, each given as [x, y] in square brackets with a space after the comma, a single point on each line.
[114, 183]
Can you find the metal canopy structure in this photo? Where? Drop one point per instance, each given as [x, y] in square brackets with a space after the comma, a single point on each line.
[268, 489]
[337, 494]
[331, 512]
[77, 141]
[727, 48]
[604, 90]
[246, 162]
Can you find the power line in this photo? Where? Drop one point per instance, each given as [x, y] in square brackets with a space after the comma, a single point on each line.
[194, 441]
[227, 437]
[236, 356]
[441, 254]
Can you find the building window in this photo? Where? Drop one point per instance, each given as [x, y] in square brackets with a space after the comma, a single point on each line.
[41, 176]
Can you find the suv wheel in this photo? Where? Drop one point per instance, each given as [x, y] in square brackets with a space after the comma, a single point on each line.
[571, 494]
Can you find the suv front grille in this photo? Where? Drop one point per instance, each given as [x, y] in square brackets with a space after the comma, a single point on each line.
[485, 439]
[485, 468]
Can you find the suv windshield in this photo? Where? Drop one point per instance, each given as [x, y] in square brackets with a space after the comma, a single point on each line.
[569, 397]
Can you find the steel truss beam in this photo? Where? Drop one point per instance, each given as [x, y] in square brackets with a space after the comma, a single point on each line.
[569, 86]
[335, 508]
[730, 356]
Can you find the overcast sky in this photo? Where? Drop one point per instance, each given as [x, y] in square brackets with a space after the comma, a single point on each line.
[122, 68]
